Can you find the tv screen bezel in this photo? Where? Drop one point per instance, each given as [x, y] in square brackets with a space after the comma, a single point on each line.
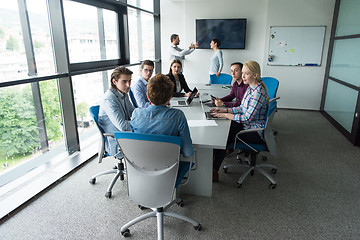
[223, 19]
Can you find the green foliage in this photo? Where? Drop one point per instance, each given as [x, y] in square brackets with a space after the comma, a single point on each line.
[38, 44]
[18, 130]
[2, 34]
[12, 44]
[51, 108]
[82, 110]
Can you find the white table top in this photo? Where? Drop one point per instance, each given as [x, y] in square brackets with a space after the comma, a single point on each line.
[207, 136]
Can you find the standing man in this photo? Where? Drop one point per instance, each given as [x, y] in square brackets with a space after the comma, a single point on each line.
[115, 107]
[139, 89]
[237, 91]
[178, 53]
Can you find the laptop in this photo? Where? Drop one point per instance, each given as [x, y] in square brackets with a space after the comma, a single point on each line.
[211, 117]
[187, 102]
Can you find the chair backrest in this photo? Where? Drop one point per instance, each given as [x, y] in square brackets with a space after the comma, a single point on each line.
[223, 78]
[94, 112]
[132, 98]
[268, 132]
[152, 163]
[272, 85]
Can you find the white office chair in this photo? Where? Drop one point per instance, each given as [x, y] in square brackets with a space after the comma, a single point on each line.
[152, 164]
[254, 149]
[118, 170]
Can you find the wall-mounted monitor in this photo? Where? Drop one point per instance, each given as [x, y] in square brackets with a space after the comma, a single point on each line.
[231, 32]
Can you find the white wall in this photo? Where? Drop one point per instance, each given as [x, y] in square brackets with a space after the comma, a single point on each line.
[300, 87]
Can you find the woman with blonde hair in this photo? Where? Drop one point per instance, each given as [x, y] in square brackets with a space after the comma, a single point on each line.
[250, 114]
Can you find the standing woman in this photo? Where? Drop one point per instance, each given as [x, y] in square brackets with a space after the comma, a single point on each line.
[250, 114]
[217, 61]
[178, 79]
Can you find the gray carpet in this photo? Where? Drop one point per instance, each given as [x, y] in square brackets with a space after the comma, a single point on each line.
[317, 197]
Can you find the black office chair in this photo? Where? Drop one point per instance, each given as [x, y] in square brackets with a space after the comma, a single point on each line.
[118, 170]
[254, 149]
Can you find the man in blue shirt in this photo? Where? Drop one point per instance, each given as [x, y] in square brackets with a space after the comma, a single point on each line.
[160, 119]
[139, 89]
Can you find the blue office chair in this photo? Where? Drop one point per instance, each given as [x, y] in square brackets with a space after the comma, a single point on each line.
[132, 98]
[222, 79]
[272, 85]
[118, 170]
[254, 149]
[152, 175]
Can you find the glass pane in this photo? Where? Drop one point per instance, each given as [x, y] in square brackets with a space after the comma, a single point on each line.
[13, 64]
[88, 90]
[349, 18]
[141, 36]
[19, 136]
[340, 104]
[111, 34]
[345, 64]
[82, 32]
[52, 112]
[144, 4]
[40, 34]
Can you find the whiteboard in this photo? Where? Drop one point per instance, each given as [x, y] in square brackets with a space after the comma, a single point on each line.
[296, 46]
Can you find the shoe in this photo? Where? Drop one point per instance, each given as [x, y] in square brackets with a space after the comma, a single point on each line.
[215, 177]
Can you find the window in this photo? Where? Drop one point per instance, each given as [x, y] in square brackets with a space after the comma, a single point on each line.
[141, 36]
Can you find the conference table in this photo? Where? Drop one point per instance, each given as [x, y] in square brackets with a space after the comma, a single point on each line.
[206, 135]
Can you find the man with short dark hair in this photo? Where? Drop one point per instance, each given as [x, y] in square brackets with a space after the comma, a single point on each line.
[237, 91]
[158, 118]
[177, 53]
[115, 107]
[139, 89]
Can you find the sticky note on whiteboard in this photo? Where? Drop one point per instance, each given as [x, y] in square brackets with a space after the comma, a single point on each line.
[292, 50]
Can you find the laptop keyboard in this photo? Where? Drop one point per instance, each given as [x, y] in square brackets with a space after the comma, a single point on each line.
[182, 102]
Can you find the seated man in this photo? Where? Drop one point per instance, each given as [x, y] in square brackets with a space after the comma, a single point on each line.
[237, 91]
[160, 119]
[115, 107]
[139, 89]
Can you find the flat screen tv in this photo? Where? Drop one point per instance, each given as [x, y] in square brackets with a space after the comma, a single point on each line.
[231, 32]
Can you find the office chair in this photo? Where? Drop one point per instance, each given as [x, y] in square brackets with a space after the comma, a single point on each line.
[133, 100]
[254, 149]
[272, 85]
[223, 78]
[152, 164]
[119, 168]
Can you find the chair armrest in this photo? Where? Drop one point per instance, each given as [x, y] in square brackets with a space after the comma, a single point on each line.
[274, 99]
[108, 135]
[247, 131]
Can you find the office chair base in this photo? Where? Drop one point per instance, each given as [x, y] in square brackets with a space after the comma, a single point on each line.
[159, 213]
[251, 169]
[119, 171]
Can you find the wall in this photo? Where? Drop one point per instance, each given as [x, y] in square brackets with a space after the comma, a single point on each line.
[300, 87]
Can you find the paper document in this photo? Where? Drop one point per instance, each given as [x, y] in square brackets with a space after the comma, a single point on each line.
[201, 123]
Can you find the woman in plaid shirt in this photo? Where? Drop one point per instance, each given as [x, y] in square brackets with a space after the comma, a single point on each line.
[250, 114]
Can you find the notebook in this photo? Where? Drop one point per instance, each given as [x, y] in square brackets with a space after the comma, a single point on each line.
[211, 117]
[187, 102]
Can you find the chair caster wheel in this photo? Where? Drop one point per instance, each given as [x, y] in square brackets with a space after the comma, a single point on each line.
[225, 169]
[122, 177]
[272, 186]
[126, 233]
[92, 181]
[239, 185]
[181, 203]
[252, 172]
[274, 170]
[198, 227]
[108, 194]
[142, 207]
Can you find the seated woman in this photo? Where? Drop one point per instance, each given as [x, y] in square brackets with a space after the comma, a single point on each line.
[250, 114]
[178, 79]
